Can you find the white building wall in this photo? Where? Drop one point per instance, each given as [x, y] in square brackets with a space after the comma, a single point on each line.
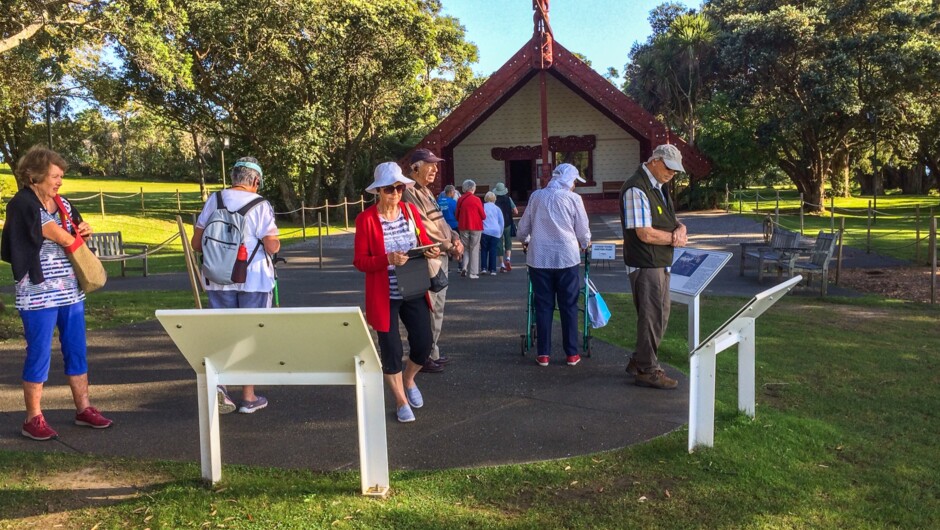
[517, 122]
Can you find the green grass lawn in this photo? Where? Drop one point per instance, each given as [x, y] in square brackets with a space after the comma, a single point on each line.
[845, 437]
[893, 232]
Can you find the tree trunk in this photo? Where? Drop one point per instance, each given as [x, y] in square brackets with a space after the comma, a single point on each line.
[200, 163]
[912, 180]
[839, 179]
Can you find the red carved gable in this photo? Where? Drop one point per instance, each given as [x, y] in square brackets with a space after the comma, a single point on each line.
[578, 77]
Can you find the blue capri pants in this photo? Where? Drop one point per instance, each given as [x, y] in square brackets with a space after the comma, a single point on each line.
[38, 326]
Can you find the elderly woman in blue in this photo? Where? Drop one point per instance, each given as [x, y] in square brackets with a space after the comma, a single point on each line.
[36, 240]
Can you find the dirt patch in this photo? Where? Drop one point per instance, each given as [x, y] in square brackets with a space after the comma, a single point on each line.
[60, 493]
[900, 283]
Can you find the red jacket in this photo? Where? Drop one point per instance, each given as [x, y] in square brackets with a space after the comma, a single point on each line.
[470, 214]
[369, 257]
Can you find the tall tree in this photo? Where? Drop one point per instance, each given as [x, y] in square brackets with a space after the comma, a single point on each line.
[306, 85]
[814, 69]
[670, 74]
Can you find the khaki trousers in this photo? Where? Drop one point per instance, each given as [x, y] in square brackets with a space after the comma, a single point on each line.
[437, 310]
[651, 298]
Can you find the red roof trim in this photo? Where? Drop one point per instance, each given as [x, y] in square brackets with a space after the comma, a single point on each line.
[578, 77]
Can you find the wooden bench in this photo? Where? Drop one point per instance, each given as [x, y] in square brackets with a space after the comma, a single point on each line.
[814, 261]
[481, 190]
[783, 245]
[609, 187]
[110, 246]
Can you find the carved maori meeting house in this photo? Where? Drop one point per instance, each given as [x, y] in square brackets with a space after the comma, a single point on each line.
[542, 108]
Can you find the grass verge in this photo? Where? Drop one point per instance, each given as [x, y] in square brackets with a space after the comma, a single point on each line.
[844, 438]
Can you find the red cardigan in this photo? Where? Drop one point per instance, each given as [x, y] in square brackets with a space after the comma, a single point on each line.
[470, 214]
[369, 257]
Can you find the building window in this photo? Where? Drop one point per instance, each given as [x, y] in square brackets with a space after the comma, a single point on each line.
[577, 151]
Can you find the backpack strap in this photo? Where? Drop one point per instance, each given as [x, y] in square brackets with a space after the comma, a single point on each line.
[219, 203]
[243, 211]
[255, 251]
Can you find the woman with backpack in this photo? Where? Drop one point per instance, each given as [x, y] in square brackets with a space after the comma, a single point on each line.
[256, 238]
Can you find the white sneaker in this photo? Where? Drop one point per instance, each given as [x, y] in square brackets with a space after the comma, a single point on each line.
[493, 273]
[474, 277]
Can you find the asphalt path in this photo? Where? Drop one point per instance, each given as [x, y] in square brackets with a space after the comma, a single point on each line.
[492, 405]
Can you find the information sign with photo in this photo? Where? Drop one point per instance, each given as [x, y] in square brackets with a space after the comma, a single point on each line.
[693, 269]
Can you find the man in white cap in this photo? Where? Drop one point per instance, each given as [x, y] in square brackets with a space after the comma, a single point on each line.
[423, 172]
[650, 233]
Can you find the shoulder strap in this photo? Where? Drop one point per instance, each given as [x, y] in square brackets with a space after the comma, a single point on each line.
[62, 213]
[219, 203]
[247, 208]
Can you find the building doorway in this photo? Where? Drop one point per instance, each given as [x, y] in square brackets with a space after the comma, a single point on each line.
[521, 180]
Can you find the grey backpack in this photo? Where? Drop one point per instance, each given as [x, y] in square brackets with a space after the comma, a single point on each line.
[223, 234]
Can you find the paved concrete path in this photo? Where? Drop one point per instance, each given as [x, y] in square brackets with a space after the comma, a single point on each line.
[491, 406]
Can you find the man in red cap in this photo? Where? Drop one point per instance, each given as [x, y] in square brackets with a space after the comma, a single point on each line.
[423, 166]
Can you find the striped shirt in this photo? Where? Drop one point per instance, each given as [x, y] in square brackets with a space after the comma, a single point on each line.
[59, 287]
[399, 237]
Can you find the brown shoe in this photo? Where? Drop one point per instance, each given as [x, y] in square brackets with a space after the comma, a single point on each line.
[656, 379]
[431, 367]
[631, 367]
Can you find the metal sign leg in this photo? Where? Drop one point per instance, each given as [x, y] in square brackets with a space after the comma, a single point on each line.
[209, 439]
[702, 398]
[373, 447]
[746, 370]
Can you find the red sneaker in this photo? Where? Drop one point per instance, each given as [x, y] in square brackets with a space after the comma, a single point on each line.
[573, 360]
[542, 360]
[37, 429]
[90, 417]
[507, 266]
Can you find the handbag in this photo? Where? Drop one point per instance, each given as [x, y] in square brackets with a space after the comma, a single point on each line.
[439, 279]
[413, 278]
[89, 271]
[597, 307]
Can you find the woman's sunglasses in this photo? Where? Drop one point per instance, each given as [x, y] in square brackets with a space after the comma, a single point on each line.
[400, 188]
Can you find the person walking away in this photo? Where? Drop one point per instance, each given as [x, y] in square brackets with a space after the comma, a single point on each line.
[261, 239]
[434, 218]
[36, 243]
[492, 233]
[508, 207]
[470, 217]
[554, 229]
[448, 205]
[651, 231]
[384, 233]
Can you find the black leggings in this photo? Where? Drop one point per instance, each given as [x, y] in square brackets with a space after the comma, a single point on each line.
[417, 319]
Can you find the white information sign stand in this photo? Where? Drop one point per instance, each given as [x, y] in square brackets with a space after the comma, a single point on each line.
[692, 270]
[284, 346]
[739, 329]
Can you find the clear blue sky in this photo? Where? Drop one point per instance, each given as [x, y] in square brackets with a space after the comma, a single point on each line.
[602, 30]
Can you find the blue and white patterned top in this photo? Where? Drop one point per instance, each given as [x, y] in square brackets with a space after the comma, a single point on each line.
[399, 237]
[59, 287]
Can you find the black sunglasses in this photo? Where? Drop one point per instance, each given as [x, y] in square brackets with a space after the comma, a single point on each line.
[400, 188]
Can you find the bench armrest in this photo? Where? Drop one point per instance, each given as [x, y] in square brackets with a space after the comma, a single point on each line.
[136, 246]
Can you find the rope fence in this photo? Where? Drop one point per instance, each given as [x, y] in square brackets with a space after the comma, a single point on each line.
[795, 223]
[323, 220]
[313, 219]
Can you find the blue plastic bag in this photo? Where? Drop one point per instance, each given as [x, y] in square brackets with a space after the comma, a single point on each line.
[597, 307]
